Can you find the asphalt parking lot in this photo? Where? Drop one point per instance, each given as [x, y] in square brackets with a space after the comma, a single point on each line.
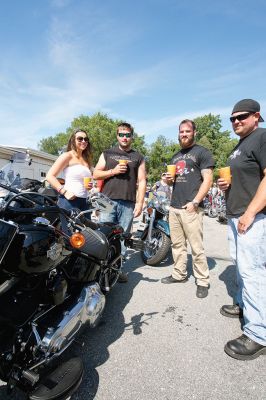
[160, 342]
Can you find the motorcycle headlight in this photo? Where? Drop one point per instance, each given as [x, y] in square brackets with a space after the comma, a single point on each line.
[166, 207]
[77, 240]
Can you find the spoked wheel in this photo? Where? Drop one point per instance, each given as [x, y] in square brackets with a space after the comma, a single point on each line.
[155, 252]
[212, 212]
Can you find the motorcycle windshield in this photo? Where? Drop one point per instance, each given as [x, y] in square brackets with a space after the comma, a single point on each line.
[10, 174]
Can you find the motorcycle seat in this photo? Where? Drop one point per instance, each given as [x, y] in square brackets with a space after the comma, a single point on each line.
[108, 228]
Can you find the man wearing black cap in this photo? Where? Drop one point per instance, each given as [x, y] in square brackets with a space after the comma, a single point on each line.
[246, 211]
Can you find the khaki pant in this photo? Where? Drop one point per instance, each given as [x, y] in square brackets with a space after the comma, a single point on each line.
[188, 226]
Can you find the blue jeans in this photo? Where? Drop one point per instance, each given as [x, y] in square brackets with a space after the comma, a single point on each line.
[78, 202]
[248, 252]
[121, 214]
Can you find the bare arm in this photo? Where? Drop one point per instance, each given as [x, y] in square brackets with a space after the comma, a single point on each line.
[58, 166]
[141, 189]
[100, 171]
[255, 206]
[207, 175]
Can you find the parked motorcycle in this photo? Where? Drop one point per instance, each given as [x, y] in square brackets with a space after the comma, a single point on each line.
[221, 210]
[155, 235]
[51, 285]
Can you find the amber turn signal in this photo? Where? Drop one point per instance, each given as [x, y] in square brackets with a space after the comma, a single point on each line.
[77, 240]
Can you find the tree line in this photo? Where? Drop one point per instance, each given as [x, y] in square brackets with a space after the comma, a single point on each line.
[102, 133]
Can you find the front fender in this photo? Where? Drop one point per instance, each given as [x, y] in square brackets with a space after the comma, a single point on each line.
[163, 226]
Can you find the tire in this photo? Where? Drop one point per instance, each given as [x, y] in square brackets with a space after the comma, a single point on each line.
[156, 253]
[212, 212]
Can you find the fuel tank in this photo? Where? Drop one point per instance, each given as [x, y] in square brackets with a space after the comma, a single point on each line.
[33, 250]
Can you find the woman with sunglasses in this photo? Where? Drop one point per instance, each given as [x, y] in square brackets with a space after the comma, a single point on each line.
[76, 164]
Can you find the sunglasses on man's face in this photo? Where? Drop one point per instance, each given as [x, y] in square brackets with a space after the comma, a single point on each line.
[240, 117]
[82, 139]
[123, 134]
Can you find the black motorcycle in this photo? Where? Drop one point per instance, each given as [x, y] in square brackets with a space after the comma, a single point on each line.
[52, 284]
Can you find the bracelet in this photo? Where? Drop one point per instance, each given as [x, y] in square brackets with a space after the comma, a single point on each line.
[111, 172]
[59, 190]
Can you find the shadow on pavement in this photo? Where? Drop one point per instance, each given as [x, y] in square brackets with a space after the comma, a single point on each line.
[228, 276]
[112, 325]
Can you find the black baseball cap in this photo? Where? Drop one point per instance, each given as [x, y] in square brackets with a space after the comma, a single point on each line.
[248, 105]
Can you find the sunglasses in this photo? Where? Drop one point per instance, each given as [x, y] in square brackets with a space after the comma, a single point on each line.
[122, 134]
[82, 139]
[240, 117]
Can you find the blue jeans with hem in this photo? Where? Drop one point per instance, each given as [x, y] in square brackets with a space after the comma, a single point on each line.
[248, 252]
[121, 214]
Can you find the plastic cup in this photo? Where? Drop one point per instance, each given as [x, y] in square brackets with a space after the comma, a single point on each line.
[86, 181]
[125, 162]
[225, 173]
[171, 169]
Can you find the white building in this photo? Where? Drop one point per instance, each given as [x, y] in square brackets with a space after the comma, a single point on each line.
[41, 162]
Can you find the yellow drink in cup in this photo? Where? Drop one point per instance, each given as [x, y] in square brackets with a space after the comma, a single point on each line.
[125, 162]
[171, 169]
[86, 181]
[225, 173]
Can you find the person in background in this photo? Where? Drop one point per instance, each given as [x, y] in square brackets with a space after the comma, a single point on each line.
[124, 183]
[162, 186]
[246, 213]
[193, 179]
[75, 164]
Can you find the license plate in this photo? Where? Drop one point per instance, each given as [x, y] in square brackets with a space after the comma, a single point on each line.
[7, 234]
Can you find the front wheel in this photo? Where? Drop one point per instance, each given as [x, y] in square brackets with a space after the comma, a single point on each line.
[154, 253]
[212, 212]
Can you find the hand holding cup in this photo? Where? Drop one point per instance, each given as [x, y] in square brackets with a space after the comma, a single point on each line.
[225, 178]
[171, 171]
[87, 181]
[122, 166]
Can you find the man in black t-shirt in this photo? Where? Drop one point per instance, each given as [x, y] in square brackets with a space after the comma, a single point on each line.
[193, 179]
[246, 212]
[124, 175]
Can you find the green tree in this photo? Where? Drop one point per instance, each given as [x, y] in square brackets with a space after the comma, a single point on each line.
[210, 135]
[159, 155]
[102, 133]
[53, 144]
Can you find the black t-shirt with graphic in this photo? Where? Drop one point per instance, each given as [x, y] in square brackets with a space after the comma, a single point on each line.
[247, 162]
[122, 186]
[189, 163]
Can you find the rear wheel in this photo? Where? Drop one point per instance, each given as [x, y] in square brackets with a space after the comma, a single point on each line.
[154, 253]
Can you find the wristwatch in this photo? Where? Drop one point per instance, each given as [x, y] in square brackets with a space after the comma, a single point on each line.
[195, 203]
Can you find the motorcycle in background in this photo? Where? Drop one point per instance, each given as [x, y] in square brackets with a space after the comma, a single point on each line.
[52, 284]
[154, 236]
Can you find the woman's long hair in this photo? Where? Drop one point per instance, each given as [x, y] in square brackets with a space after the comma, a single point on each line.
[87, 153]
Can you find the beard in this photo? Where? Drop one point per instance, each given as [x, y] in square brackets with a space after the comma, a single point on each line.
[186, 141]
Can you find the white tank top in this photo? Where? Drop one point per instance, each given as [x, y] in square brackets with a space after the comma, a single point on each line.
[74, 175]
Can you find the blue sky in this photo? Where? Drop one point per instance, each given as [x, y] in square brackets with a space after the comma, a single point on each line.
[149, 62]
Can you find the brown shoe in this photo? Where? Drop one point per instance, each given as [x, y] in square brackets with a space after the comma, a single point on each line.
[170, 279]
[122, 278]
[231, 311]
